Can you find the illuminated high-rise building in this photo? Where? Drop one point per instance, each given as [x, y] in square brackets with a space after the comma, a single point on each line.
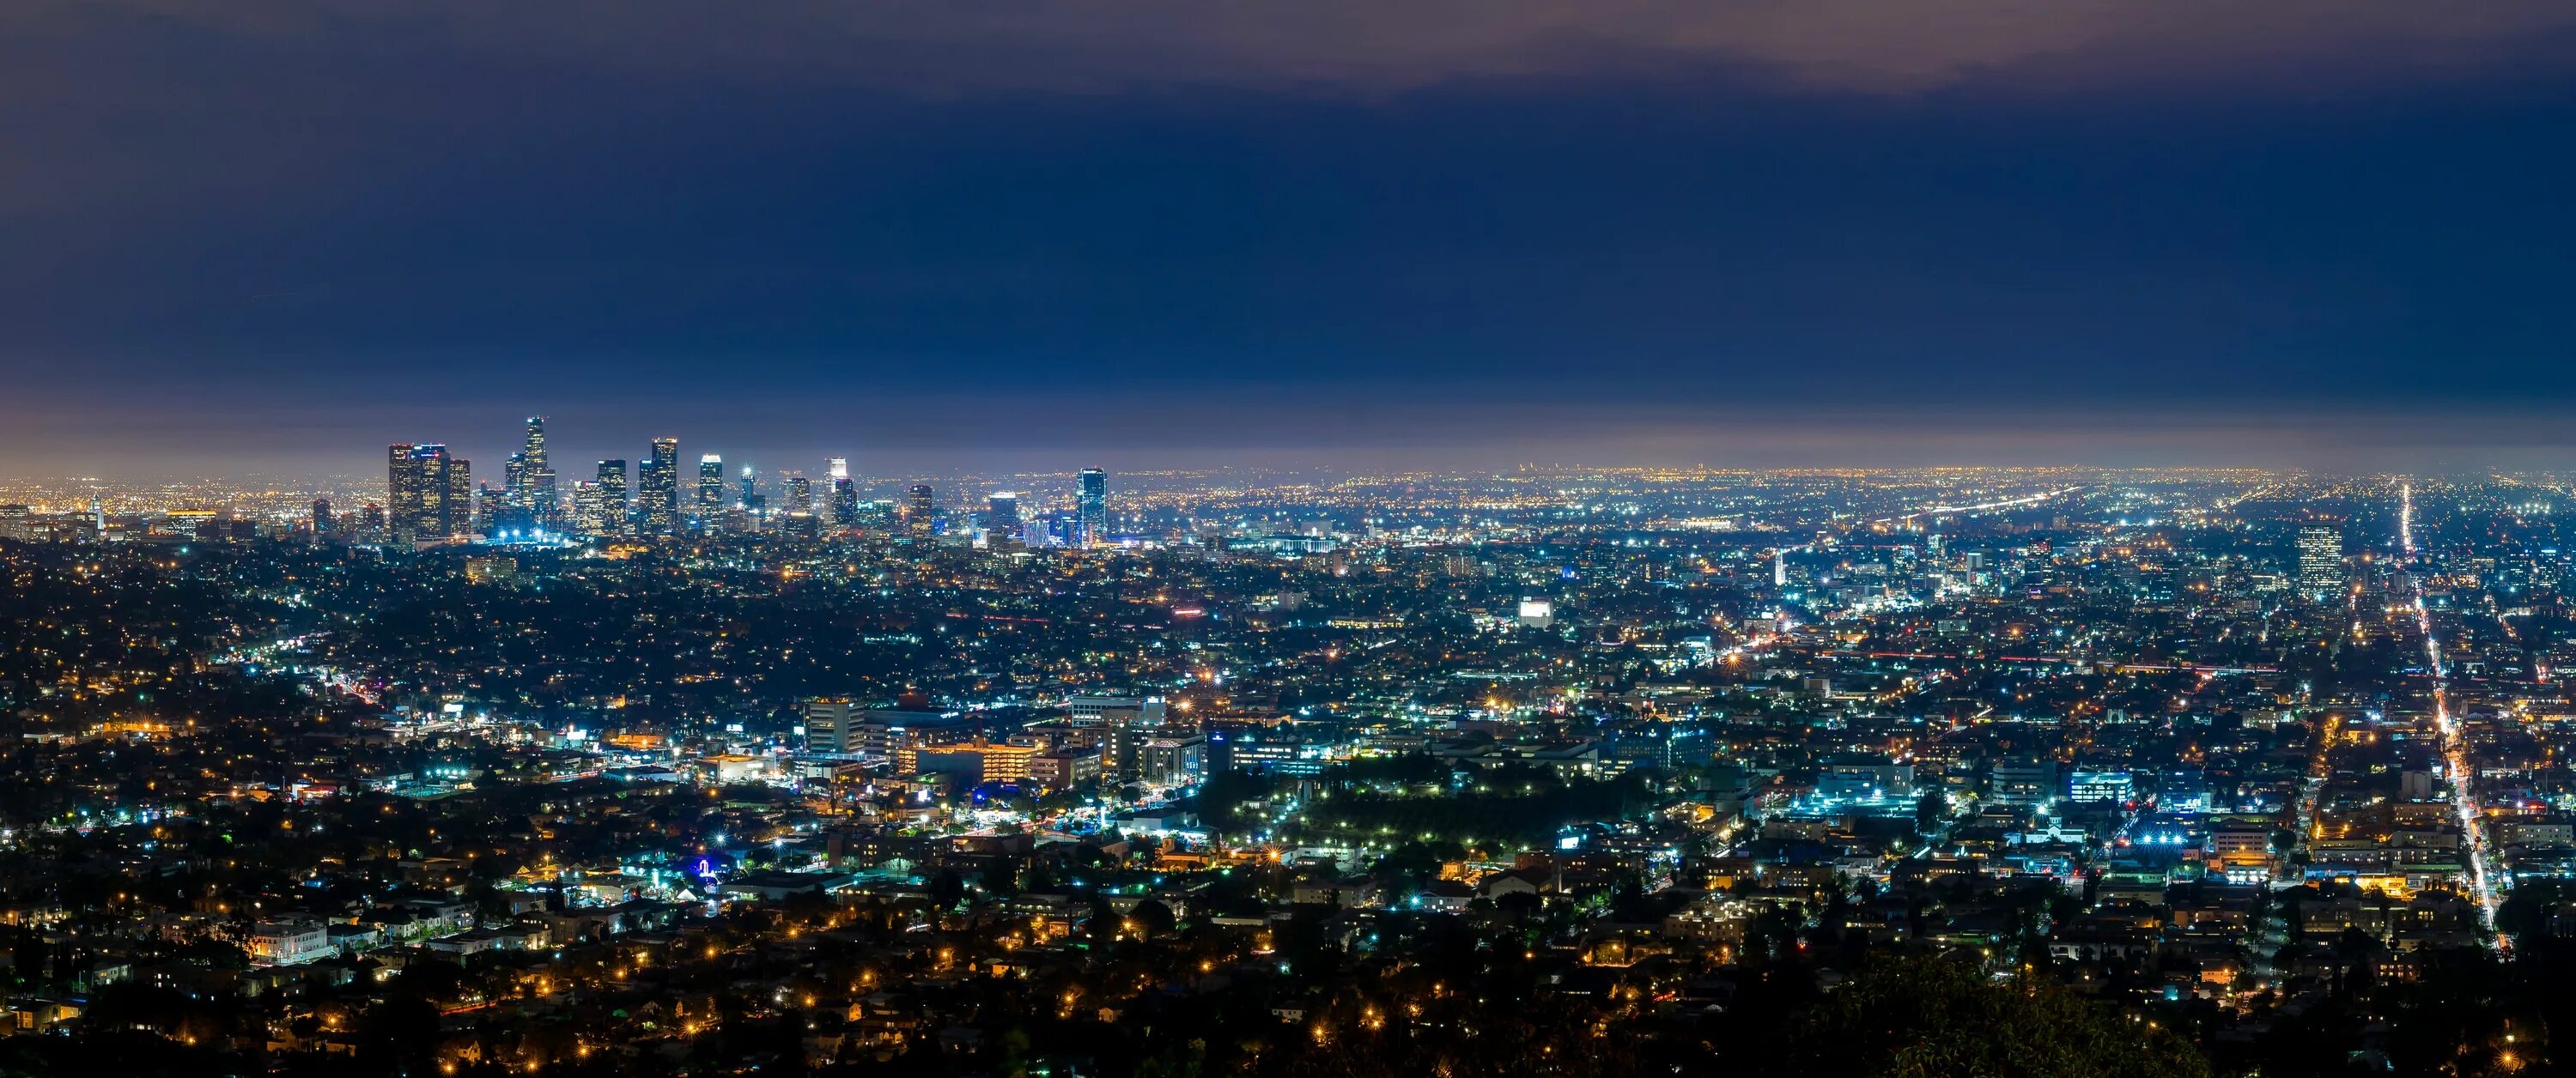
[322, 516]
[800, 495]
[710, 488]
[591, 513]
[845, 495]
[2320, 563]
[430, 494]
[1091, 508]
[514, 477]
[833, 725]
[612, 496]
[528, 480]
[920, 512]
[407, 479]
[752, 501]
[657, 488]
[541, 472]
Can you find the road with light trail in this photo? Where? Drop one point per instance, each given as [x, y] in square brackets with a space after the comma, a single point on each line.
[2454, 749]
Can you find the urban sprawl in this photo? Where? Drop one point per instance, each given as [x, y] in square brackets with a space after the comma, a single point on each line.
[1542, 771]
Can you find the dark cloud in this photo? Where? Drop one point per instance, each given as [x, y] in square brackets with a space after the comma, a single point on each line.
[944, 45]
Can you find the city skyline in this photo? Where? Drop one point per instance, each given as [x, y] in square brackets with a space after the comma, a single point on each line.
[429, 496]
[2507, 436]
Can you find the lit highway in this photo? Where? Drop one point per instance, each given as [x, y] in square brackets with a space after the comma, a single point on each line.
[1983, 507]
[2454, 751]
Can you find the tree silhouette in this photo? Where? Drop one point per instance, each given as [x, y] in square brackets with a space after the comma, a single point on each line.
[1943, 1018]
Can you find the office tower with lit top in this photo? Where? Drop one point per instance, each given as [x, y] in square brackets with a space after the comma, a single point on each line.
[1091, 508]
[711, 487]
[529, 480]
[752, 500]
[2320, 563]
[657, 488]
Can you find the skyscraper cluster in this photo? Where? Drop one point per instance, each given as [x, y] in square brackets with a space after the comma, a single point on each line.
[528, 483]
[657, 489]
[431, 498]
[599, 506]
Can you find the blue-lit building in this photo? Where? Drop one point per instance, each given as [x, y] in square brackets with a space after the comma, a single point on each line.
[1091, 507]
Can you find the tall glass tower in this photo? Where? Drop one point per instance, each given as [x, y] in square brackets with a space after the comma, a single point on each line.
[1091, 507]
[529, 480]
[612, 498]
[710, 486]
[657, 483]
[845, 495]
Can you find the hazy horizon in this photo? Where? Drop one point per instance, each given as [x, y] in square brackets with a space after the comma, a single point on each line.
[931, 443]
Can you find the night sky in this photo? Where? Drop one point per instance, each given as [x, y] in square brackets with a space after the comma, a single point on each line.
[954, 234]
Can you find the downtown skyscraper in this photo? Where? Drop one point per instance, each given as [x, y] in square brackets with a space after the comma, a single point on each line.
[608, 515]
[2320, 563]
[1091, 508]
[845, 495]
[429, 494]
[921, 512]
[711, 488]
[657, 488]
[590, 511]
[529, 481]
